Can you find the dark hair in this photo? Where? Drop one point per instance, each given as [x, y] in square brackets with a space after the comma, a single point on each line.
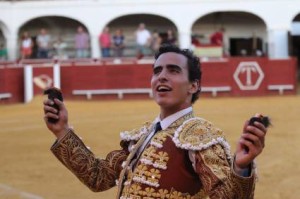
[194, 66]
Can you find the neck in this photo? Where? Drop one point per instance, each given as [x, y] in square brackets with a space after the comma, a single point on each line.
[170, 111]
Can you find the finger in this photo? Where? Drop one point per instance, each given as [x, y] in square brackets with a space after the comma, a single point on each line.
[48, 102]
[51, 115]
[260, 126]
[249, 146]
[245, 126]
[256, 141]
[59, 103]
[256, 131]
[50, 109]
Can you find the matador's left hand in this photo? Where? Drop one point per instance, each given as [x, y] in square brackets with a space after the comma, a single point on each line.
[250, 144]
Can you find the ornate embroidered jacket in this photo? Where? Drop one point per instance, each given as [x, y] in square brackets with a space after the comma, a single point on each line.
[189, 159]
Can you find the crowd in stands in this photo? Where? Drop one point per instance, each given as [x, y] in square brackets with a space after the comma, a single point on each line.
[146, 42]
[44, 45]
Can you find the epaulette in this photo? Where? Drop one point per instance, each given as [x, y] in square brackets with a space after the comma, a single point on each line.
[199, 134]
[136, 134]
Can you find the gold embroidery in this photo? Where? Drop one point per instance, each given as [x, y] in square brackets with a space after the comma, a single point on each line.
[198, 131]
[141, 169]
[148, 155]
[153, 176]
[162, 159]
[136, 191]
[97, 174]
[213, 165]
[158, 140]
[136, 134]
[149, 191]
[157, 160]
[198, 134]
[162, 193]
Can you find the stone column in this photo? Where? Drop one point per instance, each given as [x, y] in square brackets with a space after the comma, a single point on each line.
[184, 39]
[12, 45]
[95, 49]
[278, 43]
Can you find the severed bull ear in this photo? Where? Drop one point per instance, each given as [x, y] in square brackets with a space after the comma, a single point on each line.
[52, 94]
[265, 120]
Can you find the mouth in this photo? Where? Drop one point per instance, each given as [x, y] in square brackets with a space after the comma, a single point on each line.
[163, 88]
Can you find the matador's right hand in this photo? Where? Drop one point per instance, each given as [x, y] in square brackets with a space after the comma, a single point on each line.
[60, 127]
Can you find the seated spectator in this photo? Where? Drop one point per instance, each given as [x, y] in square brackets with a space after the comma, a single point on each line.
[26, 46]
[105, 42]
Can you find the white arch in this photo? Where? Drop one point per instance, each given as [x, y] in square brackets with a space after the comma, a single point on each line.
[127, 14]
[225, 12]
[5, 30]
[34, 17]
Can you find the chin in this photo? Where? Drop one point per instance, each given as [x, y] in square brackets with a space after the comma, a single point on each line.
[162, 102]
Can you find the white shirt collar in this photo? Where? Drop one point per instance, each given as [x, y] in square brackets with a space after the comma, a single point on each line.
[165, 123]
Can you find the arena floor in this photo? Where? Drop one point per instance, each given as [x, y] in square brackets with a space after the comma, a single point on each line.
[28, 170]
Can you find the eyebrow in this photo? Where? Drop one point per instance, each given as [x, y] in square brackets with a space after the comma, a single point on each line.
[169, 66]
[173, 66]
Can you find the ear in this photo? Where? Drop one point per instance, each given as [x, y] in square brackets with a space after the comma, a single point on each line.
[194, 86]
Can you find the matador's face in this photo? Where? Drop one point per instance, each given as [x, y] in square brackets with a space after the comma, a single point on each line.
[170, 84]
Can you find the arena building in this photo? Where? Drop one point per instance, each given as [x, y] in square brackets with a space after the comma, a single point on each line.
[257, 28]
[273, 24]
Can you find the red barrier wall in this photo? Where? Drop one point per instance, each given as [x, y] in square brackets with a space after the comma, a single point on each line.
[12, 81]
[245, 77]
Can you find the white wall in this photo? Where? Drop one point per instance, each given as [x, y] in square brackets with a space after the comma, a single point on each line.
[95, 14]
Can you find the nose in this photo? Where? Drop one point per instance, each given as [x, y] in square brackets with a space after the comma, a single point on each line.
[162, 76]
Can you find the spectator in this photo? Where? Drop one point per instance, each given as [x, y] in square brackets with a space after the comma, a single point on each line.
[26, 46]
[43, 42]
[34, 47]
[171, 39]
[59, 48]
[82, 40]
[195, 41]
[217, 37]
[118, 43]
[3, 52]
[104, 40]
[143, 38]
[155, 41]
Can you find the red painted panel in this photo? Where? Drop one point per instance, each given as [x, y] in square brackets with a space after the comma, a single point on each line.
[12, 81]
[282, 71]
[216, 73]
